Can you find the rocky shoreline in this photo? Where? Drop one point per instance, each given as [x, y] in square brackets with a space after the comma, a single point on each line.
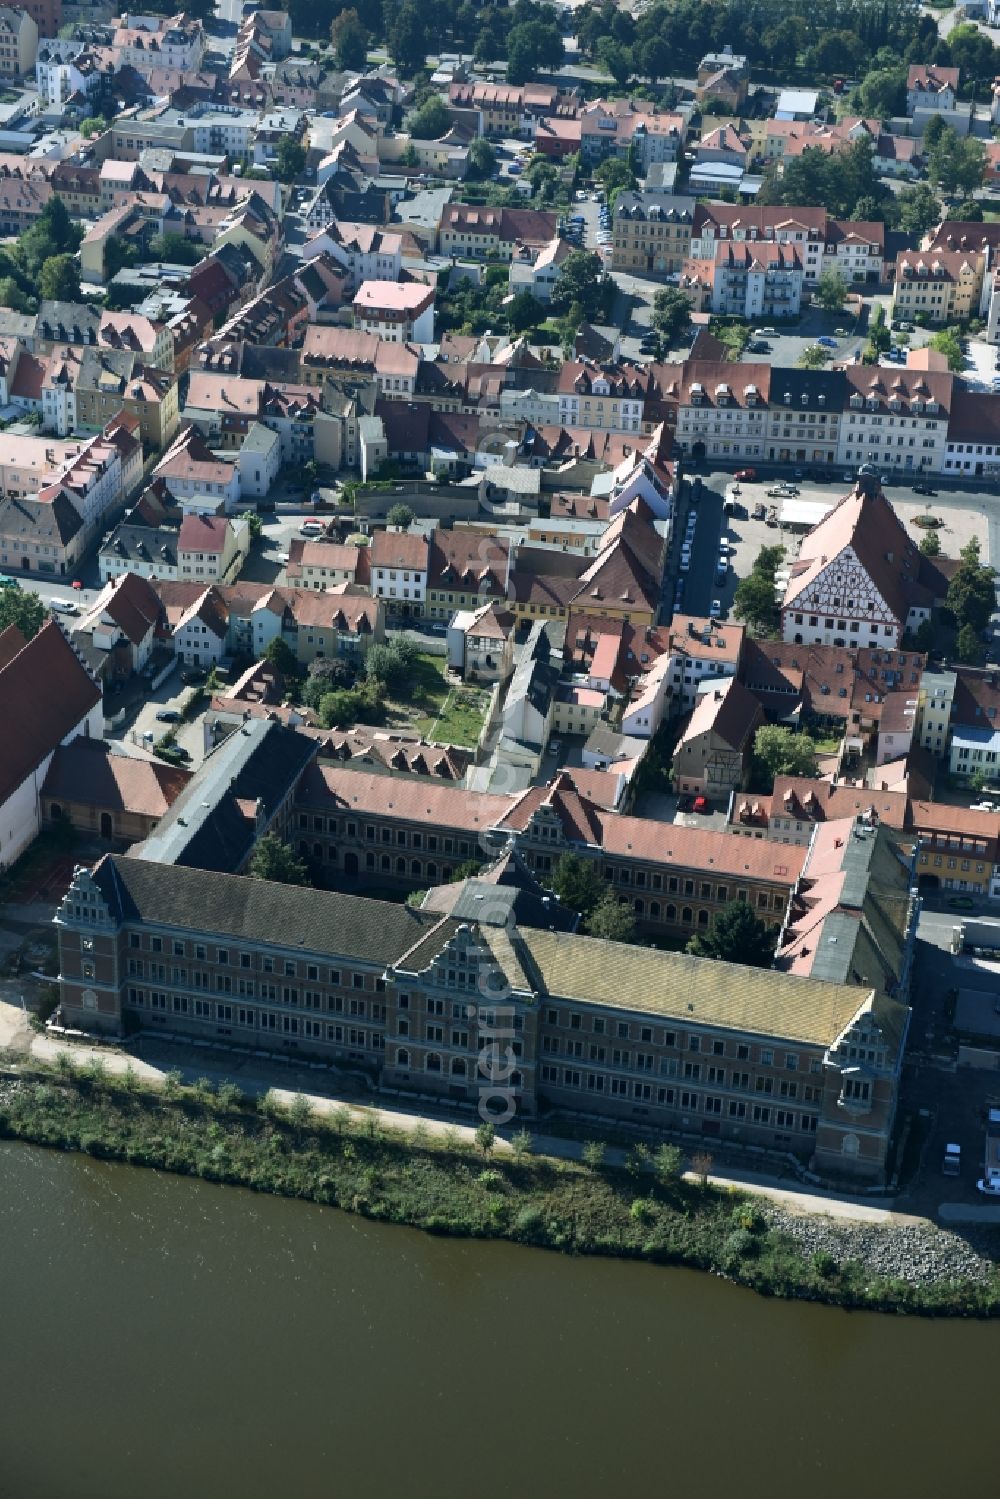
[921, 1255]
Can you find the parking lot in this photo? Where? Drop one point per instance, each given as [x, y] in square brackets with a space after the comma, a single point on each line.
[169, 697]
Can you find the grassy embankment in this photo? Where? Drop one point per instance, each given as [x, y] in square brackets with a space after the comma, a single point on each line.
[443, 1186]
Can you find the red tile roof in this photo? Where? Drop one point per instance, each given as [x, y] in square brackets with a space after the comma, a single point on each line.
[46, 692]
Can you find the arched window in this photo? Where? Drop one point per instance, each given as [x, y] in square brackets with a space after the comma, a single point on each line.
[638, 907]
[671, 913]
[415, 867]
[687, 916]
[400, 866]
[432, 871]
[654, 910]
[703, 918]
[386, 863]
[433, 1062]
[402, 1058]
[457, 1067]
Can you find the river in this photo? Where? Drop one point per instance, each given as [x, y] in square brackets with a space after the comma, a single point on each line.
[164, 1337]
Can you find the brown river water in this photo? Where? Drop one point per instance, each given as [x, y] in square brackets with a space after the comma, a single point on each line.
[164, 1337]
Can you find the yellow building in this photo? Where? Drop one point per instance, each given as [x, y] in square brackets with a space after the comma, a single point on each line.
[944, 285]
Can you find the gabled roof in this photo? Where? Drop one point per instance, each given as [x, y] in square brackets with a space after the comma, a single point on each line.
[45, 693]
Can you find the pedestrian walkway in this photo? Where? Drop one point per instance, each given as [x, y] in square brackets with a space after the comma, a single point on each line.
[18, 1036]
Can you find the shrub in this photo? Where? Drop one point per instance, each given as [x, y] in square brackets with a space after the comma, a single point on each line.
[748, 1217]
[494, 1180]
[824, 1264]
[738, 1246]
[529, 1225]
[593, 1153]
[642, 1210]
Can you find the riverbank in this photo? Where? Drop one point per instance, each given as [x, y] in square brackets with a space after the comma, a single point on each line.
[644, 1211]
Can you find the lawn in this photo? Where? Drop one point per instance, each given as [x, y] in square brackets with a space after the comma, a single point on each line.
[435, 709]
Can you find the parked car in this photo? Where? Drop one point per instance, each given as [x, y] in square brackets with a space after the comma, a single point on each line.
[952, 1163]
[700, 804]
[311, 528]
[555, 745]
[715, 609]
[64, 606]
[842, 332]
[759, 511]
[758, 346]
[747, 475]
[922, 487]
[827, 341]
[782, 492]
[168, 715]
[686, 563]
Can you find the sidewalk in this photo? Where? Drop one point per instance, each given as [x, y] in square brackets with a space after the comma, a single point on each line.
[17, 1034]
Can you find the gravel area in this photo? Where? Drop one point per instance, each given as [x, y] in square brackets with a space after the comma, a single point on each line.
[921, 1256]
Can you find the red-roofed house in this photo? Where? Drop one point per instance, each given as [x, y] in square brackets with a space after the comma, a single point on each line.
[47, 698]
[212, 548]
[713, 754]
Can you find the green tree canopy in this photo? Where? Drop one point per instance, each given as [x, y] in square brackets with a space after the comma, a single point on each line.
[176, 249]
[831, 291]
[917, 209]
[431, 120]
[482, 159]
[401, 516]
[281, 656]
[274, 860]
[956, 163]
[408, 38]
[814, 357]
[581, 280]
[781, 751]
[290, 159]
[971, 593]
[671, 316]
[59, 279]
[949, 342]
[531, 48]
[735, 935]
[524, 312]
[578, 883]
[968, 646]
[611, 919]
[350, 41]
[755, 600]
[23, 609]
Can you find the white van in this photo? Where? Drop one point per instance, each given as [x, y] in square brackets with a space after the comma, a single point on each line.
[63, 606]
[952, 1163]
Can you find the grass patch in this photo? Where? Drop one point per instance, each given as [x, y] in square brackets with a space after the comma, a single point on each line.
[437, 710]
[349, 1160]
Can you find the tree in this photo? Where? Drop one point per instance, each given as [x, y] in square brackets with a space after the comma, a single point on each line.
[176, 249]
[13, 297]
[956, 163]
[350, 41]
[400, 516]
[813, 357]
[290, 159]
[968, 647]
[615, 174]
[755, 600]
[254, 522]
[59, 279]
[736, 935]
[340, 709]
[486, 1137]
[467, 870]
[431, 120]
[882, 93]
[326, 674]
[275, 861]
[25, 610]
[611, 919]
[973, 53]
[389, 664]
[831, 291]
[969, 212]
[971, 592]
[929, 544]
[93, 125]
[281, 656]
[781, 751]
[935, 128]
[593, 1154]
[918, 210]
[52, 233]
[578, 883]
[408, 38]
[532, 47]
[524, 312]
[482, 159]
[579, 283]
[949, 343]
[668, 1162]
[671, 316]
[618, 60]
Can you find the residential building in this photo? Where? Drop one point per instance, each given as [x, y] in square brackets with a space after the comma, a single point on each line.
[48, 693]
[700, 650]
[934, 705]
[466, 570]
[723, 409]
[930, 87]
[196, 477]
[895, 418]
[400, 311]
[481, 643]
[713, 753]
[944, 286]
[121, 626]
[486, 233]
[608, 396]
[399, 562]
[652, 232]
[18, 43]
[322, 563]
[212, 548]
[336, 622]
[751, 280]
